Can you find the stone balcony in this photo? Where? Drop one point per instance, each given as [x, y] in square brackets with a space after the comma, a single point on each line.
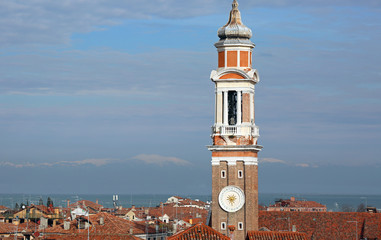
[233, 130]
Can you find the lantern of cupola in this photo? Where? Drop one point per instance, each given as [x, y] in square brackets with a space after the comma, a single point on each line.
[235, 80]
[234, 47]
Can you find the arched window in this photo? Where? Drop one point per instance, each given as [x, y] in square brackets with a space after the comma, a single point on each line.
[232, 107]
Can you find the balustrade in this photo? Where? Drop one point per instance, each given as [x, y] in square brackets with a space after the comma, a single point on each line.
[229, 130]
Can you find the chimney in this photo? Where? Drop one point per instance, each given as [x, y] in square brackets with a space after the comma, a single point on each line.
[96, 201]
[131, 231]
[293, 228]
[66, 225]
[68, 203]
[161, 204]
[43, 223]
[133, 207]
[231, 230]
[101, 221]
[16, 221]
[292, 199]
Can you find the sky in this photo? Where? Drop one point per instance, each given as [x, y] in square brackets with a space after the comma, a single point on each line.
[114, 96]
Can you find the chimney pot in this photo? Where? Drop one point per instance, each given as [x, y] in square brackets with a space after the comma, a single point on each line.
[66, 225]
[43, 223]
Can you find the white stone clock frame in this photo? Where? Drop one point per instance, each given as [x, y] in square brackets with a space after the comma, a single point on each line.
[234, 190]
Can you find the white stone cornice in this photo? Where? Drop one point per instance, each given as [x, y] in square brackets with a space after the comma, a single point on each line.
[232, 161]
[217, 148]
[242, 89]
[252, 75]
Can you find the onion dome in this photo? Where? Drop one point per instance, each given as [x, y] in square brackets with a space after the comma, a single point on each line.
[234, 28]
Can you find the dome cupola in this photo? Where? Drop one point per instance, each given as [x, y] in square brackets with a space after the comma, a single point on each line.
[234, 28]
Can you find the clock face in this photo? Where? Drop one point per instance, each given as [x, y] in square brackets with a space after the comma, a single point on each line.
[231, 198]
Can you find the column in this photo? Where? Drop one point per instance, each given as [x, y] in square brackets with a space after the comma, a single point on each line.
[219, 110]
[226, 108]
[239, 110]
[252, 108]
[215, 106]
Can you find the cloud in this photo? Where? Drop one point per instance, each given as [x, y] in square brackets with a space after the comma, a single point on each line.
[99, 162]
[304, 165]
[54, 22]
[95, 162]
[160, 160]
[279, 161]
[310, 3]
[98, 72]
[271, 160]
[17, 165]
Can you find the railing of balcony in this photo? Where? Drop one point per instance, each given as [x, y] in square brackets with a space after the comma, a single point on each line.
[229, 130]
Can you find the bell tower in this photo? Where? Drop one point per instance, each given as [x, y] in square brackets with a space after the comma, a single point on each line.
[234, 133]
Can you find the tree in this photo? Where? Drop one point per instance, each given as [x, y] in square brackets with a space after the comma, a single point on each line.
[361, 208]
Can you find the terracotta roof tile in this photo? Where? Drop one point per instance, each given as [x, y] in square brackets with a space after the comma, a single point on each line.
[325, 225]
[7, 228]
[86, 203]
[112, 224]
[109, 236]
[296, 204]
[199, 232]
[180, 213]
[264, 235]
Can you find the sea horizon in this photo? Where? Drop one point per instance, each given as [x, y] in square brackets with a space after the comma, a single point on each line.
[334, 202]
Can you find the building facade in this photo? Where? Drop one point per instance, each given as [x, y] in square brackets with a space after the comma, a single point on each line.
[294, 205]
[234, 133]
